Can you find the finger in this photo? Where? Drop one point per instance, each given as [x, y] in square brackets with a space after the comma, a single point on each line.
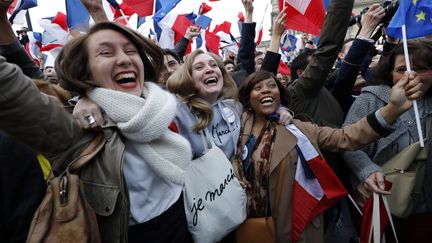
[379, 177]
[403, 81]
[373, 187]
[99, 119]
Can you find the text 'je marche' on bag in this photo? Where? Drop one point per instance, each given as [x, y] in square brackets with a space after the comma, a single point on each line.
[64, 214]
[262, 229]
[406, 171]
[215, 202]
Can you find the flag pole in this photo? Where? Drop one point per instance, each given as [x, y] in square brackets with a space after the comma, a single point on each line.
[29, 23]
[125, 18]
[408, 67]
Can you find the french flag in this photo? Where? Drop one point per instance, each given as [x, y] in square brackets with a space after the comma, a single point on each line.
[33, 47]
[77, 15]
[304, 15]
[55, 33]
[316, 186]
[18, 6]
[366, 229]
[141, 7]
[258, 28]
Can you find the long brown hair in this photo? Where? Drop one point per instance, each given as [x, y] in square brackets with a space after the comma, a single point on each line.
[182, 84]
[72, 64]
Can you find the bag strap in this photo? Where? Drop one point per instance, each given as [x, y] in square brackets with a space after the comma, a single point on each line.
[88, 153]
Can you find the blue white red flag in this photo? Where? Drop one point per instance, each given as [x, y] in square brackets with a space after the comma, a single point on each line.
[316, 186]
[304, 15]
[33, 46]
[77, 15]
[142, 7]
[20, 5]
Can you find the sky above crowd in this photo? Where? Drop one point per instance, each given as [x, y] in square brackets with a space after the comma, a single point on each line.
[223, 10]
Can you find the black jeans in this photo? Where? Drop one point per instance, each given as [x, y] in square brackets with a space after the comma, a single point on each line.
[169, 227]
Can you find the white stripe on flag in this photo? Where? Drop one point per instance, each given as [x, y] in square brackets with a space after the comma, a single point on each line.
[299, 5]
[312, 186]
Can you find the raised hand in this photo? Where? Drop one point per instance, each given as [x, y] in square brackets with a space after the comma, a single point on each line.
[371, 19]
[249, 8]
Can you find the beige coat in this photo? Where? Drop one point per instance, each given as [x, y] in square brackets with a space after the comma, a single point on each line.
[348, 138]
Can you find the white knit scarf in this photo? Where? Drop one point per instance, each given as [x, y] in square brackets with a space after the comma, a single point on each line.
[145, 122]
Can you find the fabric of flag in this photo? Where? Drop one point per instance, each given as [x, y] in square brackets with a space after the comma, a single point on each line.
[416, 15]
[163, 21]
[316, 186]
[163, 8]
[258, 27]
[288, 43]
[365, 229]
[142, 7]
[304, 15]
[204, 8]
[203, 21]
[77, 15]
[284, 69]
[21, 5]
[212, 42]
[33, 46]
[114, 4]
[54, 35]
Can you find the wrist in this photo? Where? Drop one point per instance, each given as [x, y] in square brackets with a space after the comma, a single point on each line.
[390, 112]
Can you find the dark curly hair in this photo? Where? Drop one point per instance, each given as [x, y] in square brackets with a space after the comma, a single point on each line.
[420, 49]
[256, 77]
[72, 64]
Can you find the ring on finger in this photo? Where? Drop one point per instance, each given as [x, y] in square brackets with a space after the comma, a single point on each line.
[90, 119]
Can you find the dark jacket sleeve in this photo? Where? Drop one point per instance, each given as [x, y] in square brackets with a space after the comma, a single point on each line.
[271, 62]
[348, 72]
[330, 43]
[181, 47]
[246, 56]
[35, 119]
[15, 53]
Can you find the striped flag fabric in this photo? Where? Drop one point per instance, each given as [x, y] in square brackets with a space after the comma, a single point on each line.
[366, 223]
[142, 7]
[20, 5]
[316, 186]
[77, 15]
[304, 15]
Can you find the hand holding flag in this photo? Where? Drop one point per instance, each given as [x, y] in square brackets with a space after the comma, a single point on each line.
[412, 19]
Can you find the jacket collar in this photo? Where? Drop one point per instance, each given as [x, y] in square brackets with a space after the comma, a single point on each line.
[284, 142]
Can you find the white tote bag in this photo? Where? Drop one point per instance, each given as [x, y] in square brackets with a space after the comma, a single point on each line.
[215, 202]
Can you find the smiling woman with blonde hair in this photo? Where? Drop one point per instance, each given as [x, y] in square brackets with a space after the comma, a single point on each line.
[207, 99]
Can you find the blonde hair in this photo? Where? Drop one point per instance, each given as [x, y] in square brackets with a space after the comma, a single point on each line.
[182, 84]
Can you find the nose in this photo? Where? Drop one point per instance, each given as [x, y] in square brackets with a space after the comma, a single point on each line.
[209, 69]
[265, 89]
[123, 58]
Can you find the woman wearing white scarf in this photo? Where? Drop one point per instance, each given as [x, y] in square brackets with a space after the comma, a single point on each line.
[134, 184]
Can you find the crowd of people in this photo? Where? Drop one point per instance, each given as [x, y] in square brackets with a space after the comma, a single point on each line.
[154, 106]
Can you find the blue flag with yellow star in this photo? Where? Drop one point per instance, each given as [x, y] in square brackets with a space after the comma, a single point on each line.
[417, 17]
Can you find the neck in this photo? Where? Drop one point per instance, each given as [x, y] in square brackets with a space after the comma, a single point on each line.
[258, 124]
[210, 99]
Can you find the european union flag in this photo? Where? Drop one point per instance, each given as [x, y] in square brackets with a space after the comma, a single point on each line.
[417, 17]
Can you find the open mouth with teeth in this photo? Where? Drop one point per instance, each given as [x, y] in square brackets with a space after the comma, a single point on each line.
[267, 100]
[126, 80]
[211, 81]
